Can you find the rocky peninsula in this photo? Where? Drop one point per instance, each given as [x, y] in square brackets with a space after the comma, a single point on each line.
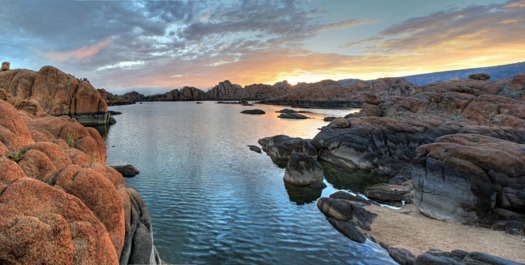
[455, 153]
[60, 203]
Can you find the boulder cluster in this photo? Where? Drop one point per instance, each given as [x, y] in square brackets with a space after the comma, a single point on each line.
[59, 202]
[56, 92]
[456, 148]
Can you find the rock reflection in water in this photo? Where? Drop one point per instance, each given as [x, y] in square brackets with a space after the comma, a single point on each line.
[302, 194]
[356, 181]
[102, 129]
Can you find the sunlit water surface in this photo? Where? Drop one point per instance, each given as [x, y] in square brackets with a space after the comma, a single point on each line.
[212, 200]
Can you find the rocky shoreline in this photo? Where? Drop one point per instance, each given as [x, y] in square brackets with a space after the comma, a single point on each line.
[59, 201]
[454, 151]
[323, 94]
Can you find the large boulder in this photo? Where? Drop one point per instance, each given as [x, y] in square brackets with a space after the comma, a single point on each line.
[138, 244]
[304, 170]
[280, 147]
[464, 177]
[41, 224]
[56, 92]
[346, 214]
[54, 186]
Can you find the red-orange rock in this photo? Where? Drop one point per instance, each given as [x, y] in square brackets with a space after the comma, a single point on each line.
[42, 225]
[14, 133]
[59, 203]
[99, 194]
[56, 92]
[83, 138]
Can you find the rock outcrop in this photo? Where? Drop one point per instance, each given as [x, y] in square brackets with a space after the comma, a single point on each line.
[223, 90]
[56, 92]
[467, 178]
[386, 142]
[116, 100]
[304, 170]
[280, 147]
[60, 204]
[322, 94]
[184, 94]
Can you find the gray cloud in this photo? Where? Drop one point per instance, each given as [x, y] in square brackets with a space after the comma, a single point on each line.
[470, 27]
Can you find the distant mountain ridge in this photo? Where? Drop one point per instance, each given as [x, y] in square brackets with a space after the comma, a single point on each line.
[326, 90]
[495, 72]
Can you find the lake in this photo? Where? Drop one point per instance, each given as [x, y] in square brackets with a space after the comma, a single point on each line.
[212, 200]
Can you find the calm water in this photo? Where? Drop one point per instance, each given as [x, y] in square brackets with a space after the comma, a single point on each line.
[212, 200]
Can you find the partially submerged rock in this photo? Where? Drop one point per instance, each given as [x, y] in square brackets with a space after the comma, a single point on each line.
[127, 171]
[295, 116]
[253, 111]
[347, 216]
[280, 147]
[255, 148]
[304, 170]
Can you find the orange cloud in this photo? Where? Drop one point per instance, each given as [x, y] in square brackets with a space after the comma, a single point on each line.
[79, 54]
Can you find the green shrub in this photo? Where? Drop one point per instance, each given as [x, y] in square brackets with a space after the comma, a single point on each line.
[70, 139]
[15, 156]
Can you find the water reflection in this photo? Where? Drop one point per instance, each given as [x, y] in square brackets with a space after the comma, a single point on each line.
[302, 194]
[212, 200]
[354, 180]
[102, 129]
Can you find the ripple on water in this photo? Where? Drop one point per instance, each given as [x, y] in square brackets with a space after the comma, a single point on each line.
[212, 201]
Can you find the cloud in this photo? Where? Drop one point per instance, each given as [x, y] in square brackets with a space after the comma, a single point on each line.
[199, 43]
[473, 27]
[122, 65]
[79, 54]
[340, 25]
[515, 4]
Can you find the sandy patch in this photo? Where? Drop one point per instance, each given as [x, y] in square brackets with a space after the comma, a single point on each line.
[407, 228]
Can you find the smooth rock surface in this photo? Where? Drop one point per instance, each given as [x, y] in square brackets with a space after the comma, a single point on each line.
[303, 170]
[463, 177]
[280, 147]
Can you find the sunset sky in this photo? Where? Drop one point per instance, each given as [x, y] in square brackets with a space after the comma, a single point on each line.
[123, 45]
